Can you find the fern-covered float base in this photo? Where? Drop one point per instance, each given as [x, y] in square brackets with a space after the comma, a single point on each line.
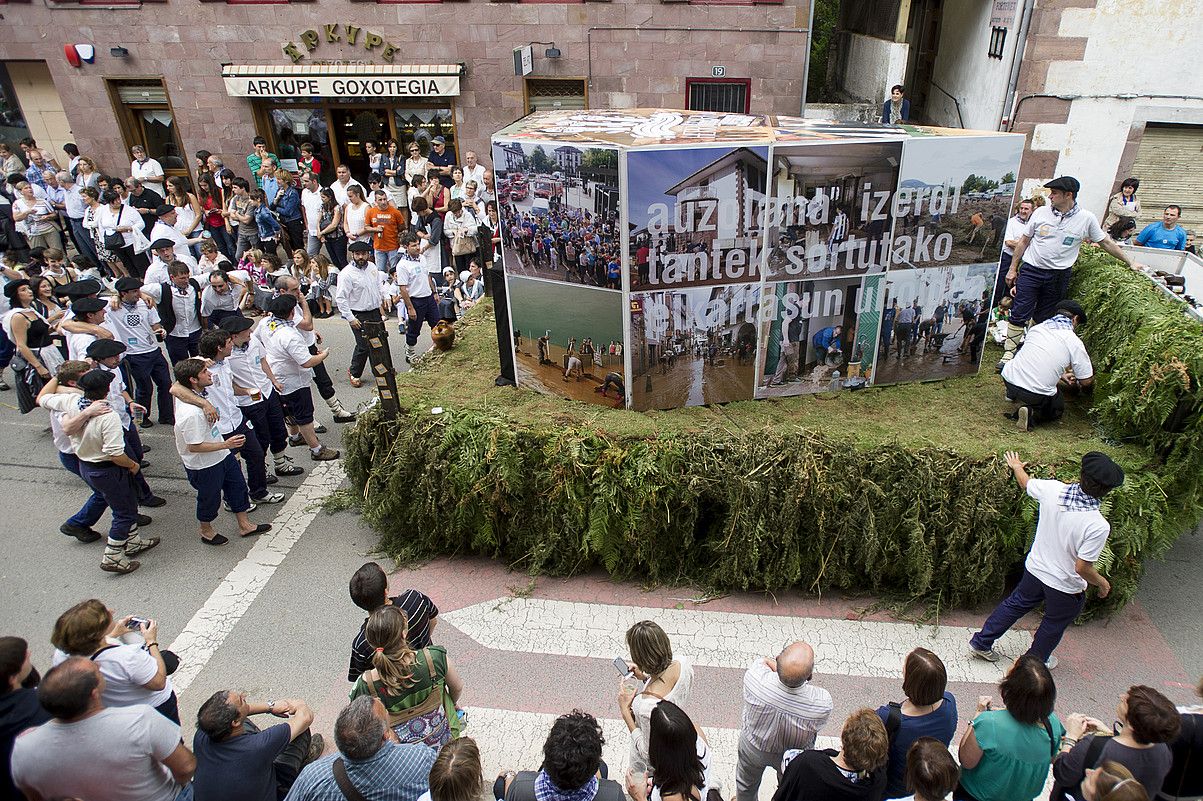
[896, 491]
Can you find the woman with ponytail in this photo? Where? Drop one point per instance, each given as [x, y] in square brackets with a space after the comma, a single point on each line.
[1111, 781]
[419, 689]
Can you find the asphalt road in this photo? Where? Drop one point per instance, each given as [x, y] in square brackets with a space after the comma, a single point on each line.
[277, 621]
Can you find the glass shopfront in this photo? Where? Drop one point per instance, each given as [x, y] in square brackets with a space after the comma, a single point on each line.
[338, 129]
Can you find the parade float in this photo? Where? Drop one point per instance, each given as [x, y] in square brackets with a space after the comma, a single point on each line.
[868, 469]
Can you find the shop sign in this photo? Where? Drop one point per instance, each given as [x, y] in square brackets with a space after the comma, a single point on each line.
[338, 34]
[357, 86]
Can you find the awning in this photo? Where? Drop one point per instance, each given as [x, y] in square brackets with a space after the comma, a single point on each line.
[333, 80]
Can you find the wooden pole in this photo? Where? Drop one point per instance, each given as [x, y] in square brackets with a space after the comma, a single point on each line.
[380, 359]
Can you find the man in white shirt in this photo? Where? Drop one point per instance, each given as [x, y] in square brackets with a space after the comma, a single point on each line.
[358, 298]
[177, 301]
[262, 407]
[92, 751]
[137, 325]
[782, 710]
[223, 296]
[341, 184]
[1035, 376]
[1070, 535]
[303, 318]
[89, 312]
[473, 171]
[1016, 225]
[107, 469]
[417, 289]
[292, 364]
[209, 461]
[147, 170]
[222, 396]
[164, 228]
[163, 254]
[75, 210]
[311, 211]
[1046, 252]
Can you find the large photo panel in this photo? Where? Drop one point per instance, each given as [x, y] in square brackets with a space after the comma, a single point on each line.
[934, 322]
[691, 347]
[559, 206]
[568, 340]
[818, 336]
[955, 195]
[831, 211]
[695, 216]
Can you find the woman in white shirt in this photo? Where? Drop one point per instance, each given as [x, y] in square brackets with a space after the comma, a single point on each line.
[415, 164]
[134, 674]
[36, 217]
[678, 767]
[353, 215]
[458, 224]
[187, 208]
[114, 219]
[86, 174]
[457, 183]
[373, 155]
[660, 677]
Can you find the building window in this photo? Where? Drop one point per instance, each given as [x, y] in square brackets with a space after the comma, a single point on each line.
[555, 94]
[13, 127]
[144, 113]
[730, 95]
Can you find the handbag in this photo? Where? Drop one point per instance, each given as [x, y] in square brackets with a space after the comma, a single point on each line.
[114, 241]
[463, 244]
[420, 719]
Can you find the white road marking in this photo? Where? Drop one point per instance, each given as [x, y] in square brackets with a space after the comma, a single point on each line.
[726, 639]
[213, 622]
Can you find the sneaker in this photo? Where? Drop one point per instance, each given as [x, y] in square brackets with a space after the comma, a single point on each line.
[271, 497]
[318, 428]
[1051, 662]
[146, 449]
[4, 387]
[152, 501]
[1023, 419]
[144, 464]
[271, 480]
[147, 423]
[295, 441]
[989, 655]
[287, 468]
[324, 455]
[136, 544]
[84, 534]
[144, 520]
[411, 355]
[316, 746]
[250, 509]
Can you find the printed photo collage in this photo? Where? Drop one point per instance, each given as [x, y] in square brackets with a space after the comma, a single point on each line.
[710, 273]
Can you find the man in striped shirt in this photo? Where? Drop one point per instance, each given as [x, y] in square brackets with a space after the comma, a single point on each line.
[782, 710]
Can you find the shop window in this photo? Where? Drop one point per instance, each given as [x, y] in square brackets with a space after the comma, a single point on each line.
[13, 127]
[144, 112]
[293, 127]
[730, 95]
[555, 94]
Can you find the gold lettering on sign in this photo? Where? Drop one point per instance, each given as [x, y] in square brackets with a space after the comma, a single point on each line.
[389, 51]
[332, 33]
[292, 52]
[352, 33]
[310, 39]
[372, 40]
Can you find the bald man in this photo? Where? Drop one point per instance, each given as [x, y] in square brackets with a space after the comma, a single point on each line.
[782, 710]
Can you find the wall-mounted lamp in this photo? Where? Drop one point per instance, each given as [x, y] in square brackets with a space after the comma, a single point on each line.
[552, 51]
[118, 52]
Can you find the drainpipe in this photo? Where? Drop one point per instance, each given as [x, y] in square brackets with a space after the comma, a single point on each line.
[1021, 42]
[810, 26]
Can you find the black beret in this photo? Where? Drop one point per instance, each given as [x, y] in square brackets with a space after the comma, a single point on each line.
[79, 289]
[1073, 309]
[164, 208]
[283, 305]
[95, 379]
[10, 289]
[104, 348]
[87, 305]
[1099, 468]
[359, 247]
[126, 283]
[161, 243]
[236, 324]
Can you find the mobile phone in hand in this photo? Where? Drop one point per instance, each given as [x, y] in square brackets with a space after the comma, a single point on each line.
[621, 666]
[136, 623]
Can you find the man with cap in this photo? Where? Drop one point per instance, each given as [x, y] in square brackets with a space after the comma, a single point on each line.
[137, 325]
[106, 354]
[359, 299]
[1044, 256]
[164, 228]
[108, 470]
[290, 361]
[262, 406]
[209, 460]
[1036, 375]
[222, 395]
[1070, 536]
[177, 300]
[441, 160]
[303, 317]
[163, 253]
[88, 315]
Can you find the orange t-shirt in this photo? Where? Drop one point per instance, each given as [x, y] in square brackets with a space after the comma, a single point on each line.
[392, 221]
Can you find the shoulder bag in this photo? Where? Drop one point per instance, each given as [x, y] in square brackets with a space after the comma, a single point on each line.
[1094, 753]
[344, 782]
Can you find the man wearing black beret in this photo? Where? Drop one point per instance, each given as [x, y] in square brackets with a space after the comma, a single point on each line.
[1070, 536]
[1037, 374]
